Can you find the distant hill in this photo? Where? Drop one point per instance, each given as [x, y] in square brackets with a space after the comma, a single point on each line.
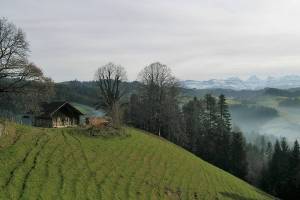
[83, 92]
[87, 92]
[295, 92]
[76, 91]
[252, 83]
[41, 163]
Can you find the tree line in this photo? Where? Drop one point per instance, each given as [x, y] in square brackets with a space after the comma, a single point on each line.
[201, 126]
[281, 175]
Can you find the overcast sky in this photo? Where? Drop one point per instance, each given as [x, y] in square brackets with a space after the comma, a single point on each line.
[198, 39]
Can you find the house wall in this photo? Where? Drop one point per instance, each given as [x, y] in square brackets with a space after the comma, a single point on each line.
[26, 119]
[47, 123]
[62, 119]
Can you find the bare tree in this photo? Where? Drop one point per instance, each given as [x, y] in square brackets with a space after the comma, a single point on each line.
[159, 94]
[157, 74]
[16, 72]
[109, 78]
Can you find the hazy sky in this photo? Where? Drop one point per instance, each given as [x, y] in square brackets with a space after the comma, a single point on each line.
[198, 39]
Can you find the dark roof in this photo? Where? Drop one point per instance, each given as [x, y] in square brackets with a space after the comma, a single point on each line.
[48, 109]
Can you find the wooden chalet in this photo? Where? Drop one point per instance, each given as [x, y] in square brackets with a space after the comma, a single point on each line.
[58, 114]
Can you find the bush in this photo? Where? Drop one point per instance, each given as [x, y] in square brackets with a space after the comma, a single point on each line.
[106, 131]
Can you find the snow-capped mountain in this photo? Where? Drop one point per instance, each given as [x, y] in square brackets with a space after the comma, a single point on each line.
[252, 83]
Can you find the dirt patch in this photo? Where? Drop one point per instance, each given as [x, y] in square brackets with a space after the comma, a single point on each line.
[2, 129]
[6, 129]
[172, 195]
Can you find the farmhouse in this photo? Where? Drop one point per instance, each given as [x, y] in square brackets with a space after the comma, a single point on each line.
[58, 114]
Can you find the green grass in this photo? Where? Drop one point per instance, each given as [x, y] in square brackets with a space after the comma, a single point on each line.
[40, 163]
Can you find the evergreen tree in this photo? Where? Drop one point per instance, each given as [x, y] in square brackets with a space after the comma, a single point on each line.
[265, 173]
[295, 156]
[278, 174]
[238, 161]
[269, 151]
[210, 111]
[293, 186]
[191, 113]
[222, 135]
[224, 114]
[274, 168]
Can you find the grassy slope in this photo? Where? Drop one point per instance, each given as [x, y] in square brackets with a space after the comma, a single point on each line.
[60, 163]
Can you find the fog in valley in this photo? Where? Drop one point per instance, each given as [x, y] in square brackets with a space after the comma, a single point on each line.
[286, 123]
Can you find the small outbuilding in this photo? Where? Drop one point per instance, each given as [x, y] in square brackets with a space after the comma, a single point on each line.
[58, 114]
[98, 122]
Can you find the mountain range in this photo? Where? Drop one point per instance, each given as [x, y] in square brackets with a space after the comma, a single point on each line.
[252, 83]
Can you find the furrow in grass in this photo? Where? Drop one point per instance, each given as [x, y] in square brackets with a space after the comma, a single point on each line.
[156, 172]
[172, 173]
[39, 177]
[228, 188]
[85, 162]
[181, 177]
[160, 185]
[206, 179]
[192, 191]
[103, 165]
[145, 172]
[112, 167]
[90, 172]
[60, 170]
[61, 178]
[153, 182]
[12, 172]
[7, 144]
[109, 165]
[47, 171]
[141, 150]
[112, 175]
[25, 181]
[75, 177]
[50, 188]
[16, 139]
[81, 156]
[177, 190]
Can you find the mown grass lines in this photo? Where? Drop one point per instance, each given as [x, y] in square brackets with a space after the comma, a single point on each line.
[19, 176]
[66, 164]
[141, 183]
[90, 189]
[134, 163]
[29, 174]
[118, 170]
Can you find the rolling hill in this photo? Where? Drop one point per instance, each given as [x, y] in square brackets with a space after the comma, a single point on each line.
[41, 163]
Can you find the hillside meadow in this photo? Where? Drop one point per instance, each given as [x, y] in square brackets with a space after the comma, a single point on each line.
[39, 163]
